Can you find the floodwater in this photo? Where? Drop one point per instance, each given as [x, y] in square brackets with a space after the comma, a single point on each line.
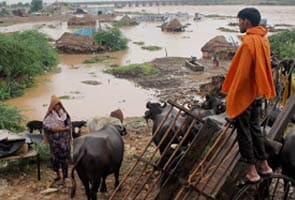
[85, 101]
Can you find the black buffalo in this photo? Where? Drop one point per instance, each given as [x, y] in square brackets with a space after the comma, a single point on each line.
[96, 155]
[157, 112]
[35, 125]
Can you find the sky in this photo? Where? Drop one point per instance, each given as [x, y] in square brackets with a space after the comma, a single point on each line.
[44, 1]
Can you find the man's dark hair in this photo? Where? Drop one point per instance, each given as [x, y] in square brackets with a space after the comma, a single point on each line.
[252, 14]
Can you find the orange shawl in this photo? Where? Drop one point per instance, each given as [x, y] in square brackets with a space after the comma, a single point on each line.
[250, 73]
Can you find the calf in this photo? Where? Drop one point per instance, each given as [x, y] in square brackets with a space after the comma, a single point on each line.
[35, 125]
[76, 126]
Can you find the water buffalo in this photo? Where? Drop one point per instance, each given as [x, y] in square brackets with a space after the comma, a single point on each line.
[96, 155]
[287, 156]
[156, 112]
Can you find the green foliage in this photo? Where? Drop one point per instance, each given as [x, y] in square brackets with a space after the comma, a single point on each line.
[43, 150]
[144, 69]
[283, 44]
[151, 48]
[111, 38]
[23, 55]
[36, 5]
[139, 43]
[10, 118]
[97, 59]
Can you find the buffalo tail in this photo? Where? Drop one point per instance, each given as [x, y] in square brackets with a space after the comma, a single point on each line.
[73, 189]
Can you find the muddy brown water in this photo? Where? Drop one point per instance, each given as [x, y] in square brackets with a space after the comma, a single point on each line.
[85, 101]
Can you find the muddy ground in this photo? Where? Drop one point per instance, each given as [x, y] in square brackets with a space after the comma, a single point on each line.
[175, 82]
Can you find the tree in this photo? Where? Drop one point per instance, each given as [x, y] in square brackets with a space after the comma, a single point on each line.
[36, 5]
[283, 44]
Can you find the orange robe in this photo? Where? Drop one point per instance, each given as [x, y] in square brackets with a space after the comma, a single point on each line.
[250, 73]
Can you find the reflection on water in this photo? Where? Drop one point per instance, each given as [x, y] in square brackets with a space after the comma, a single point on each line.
[86, 101]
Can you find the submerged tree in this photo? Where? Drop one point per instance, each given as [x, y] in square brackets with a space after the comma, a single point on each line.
[36, 5]
[111, 38]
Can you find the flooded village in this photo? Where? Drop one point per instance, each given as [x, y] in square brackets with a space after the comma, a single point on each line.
[174, 54]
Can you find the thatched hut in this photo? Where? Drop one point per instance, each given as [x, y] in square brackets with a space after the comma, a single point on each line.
[172, 26]
[80, 11]
[83, 20]
[20, 13]
[72, 43]
[128, 21]
[219, 46]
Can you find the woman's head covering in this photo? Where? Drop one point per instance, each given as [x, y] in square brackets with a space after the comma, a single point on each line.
[54, 100]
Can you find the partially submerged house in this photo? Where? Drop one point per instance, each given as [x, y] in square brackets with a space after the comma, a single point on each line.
[73, 43]
[172, 26]
[82, 20]
[220, 45]
[20, 13]
[126, 20]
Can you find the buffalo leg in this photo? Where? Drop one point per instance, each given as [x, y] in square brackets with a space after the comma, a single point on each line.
[116, 174]
[86, 184]
[94, 189]
[103, 187]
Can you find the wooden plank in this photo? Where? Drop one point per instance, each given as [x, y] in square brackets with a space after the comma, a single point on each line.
[229, 187]
[191, 157]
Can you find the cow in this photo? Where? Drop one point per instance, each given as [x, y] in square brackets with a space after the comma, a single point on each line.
[96, 155]
[76, 126]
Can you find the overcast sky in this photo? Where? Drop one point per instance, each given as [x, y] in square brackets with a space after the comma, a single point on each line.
[45, 1]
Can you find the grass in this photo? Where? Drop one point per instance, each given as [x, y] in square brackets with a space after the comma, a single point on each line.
[139, 43]
[144, 69]
[151, 48]
[97, 59]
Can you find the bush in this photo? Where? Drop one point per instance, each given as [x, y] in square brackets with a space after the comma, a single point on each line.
[283, 44]
[151, 48]
[10, 118]
[137, 70]
[111, 38]
[23, 55]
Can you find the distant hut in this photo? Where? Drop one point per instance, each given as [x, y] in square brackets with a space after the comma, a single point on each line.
[126, 20]
[20, 13]
[172, 26]
[219, 46]
[83, 20]
[72, 43]
[80, 11]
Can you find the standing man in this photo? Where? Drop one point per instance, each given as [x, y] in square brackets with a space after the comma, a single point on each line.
[248, 80]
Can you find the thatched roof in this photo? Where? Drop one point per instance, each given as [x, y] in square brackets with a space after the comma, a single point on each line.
[173, 25]
[72, 43]
[20, 13]
[127, 20]
[218, 43]
[85, 20]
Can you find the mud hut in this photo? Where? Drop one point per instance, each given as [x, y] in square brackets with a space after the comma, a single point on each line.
[82, 20]
[80, 11]
[20, 13]
[128, 21]
[221, 46]
[172, 26]
[72, 43]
